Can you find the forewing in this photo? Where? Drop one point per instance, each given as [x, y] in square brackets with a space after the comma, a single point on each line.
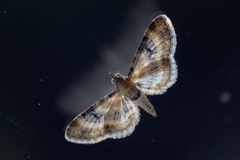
[154, 69]
[114, 116]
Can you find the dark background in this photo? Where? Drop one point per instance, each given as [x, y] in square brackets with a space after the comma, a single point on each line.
[46, 44]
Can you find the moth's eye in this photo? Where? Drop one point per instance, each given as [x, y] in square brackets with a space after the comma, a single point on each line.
[118, 75]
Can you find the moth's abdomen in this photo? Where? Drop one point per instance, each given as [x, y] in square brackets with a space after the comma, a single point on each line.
[133, 94]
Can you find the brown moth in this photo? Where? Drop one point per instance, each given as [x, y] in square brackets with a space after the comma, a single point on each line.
[152, 72]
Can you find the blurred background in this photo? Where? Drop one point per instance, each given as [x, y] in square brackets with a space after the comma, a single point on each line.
[54, 62]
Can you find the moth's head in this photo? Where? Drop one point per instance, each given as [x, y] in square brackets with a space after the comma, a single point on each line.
[117, 78]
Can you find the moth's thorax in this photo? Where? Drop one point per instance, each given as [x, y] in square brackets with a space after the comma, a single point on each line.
[126, 87]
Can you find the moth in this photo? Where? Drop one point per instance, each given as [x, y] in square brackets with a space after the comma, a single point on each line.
[152, 72]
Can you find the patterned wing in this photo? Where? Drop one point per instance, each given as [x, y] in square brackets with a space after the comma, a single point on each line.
[154, 69]
[114, 116]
